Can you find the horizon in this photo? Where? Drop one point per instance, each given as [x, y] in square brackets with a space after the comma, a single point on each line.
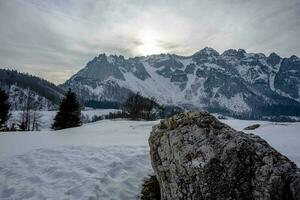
[54, 40]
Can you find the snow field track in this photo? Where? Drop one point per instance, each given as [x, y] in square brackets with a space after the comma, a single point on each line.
[75, 172]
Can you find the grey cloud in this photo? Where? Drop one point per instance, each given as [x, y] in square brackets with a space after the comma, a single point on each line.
[54, 39]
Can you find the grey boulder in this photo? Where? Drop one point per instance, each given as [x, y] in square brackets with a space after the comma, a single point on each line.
[195, 156]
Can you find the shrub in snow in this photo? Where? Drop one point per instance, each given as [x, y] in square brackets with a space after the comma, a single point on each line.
[139, 107]
[151, 190]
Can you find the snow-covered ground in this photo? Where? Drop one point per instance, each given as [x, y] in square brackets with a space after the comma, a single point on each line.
[103, 160]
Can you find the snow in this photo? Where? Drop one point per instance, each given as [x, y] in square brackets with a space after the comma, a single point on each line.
[211, 66]
[18, 96]
[103, 160]
[284, 137]
[167, 92]
[235, 103]
[79, 172]
[97, 90]
[185, 61]
[252, 73]
[110, 59]
[273, 74]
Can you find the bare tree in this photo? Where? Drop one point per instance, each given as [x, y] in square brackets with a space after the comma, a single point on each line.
[25, 115]
[36, 121]
[30, 119]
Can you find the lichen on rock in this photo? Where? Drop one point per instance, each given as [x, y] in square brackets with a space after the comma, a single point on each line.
[195, 156]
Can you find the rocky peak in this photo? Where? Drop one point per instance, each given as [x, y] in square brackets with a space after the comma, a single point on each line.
[101, 68]
[116, 59]
[195, 156]
[101, 56]
[205, 55]
[294, 58]
[274, 55]
[230, 53]
[273, 59]
[240, 53]
[207, 51]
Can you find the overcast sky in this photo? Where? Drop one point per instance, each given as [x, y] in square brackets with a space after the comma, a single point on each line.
[54, 39]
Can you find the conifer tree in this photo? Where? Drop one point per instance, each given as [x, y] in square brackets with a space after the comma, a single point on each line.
[69, 113]
[4, 109]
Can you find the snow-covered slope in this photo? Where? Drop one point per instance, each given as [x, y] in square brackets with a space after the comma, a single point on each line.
[103, 160]
[18, 98]
[23, 88]
[235, 82]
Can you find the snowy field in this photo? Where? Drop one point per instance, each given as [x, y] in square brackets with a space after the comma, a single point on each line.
[103, 160]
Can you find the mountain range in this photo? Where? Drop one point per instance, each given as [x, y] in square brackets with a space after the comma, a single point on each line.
[234, 82]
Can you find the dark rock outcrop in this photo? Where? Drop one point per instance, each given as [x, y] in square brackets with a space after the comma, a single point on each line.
[252, 127]
[195, 156]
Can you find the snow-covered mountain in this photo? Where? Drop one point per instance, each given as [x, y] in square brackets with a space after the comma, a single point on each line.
[18, 97]
[234, 82]
[23, 88]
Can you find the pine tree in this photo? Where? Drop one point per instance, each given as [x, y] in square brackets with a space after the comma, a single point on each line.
[69, 113]
[4, 109]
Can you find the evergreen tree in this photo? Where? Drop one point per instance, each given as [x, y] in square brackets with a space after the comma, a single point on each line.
[4, 109]
[69, 114]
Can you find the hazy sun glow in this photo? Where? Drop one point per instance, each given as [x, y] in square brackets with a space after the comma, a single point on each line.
[149, 44]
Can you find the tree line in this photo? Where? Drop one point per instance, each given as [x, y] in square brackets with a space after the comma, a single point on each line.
[136, 107]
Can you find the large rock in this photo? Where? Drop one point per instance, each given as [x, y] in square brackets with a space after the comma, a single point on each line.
[195, 156]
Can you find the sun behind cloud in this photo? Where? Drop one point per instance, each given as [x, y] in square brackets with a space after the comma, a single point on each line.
[149, 43]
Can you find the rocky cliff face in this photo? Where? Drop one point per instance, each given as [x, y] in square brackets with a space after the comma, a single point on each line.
[195, 156]
[234, 82]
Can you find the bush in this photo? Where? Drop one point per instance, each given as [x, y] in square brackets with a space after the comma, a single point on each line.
[116, 115]
[139, 107]
[150, 190]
